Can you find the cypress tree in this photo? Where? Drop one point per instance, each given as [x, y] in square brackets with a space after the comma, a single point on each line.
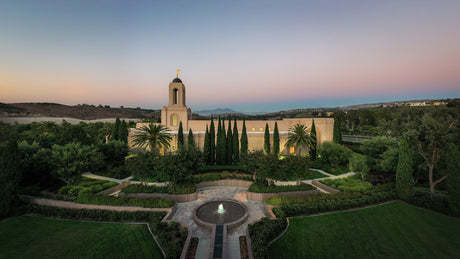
[314, 146]
[180, 138]
[212, 142]
[404, 179]
[266, 140]
[116, 130]
[229, 143]
[223, 146]
[123, 132]
[244, 140]
[190, 140]
[236, 143]
[207, 147]
[219, 144]
[337, 137]
[10, 175]
[276, 140]
[453, 180]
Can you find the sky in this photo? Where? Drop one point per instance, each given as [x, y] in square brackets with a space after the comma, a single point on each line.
[252, 55]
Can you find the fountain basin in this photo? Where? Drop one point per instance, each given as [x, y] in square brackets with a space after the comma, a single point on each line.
[206, 215]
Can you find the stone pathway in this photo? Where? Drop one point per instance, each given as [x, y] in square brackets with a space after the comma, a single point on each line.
[184, 214]
[99, 177]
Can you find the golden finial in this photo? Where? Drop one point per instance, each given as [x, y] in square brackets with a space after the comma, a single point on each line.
[177, 73]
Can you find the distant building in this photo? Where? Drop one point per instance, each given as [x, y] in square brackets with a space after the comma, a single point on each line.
[177, 112]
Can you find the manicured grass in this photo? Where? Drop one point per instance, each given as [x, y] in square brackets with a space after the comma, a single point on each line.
[35, 237]
[393, 230]
[310, 174]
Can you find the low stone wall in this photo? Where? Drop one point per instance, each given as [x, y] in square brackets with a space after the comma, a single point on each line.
[73, 205]
[114, 189]
[225, 182]
[176, 197]
[256, 196]
[327, 188]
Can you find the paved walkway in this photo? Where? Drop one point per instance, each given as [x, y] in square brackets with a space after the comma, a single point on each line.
[100, 177]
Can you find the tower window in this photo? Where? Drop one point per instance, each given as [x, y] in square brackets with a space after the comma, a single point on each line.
[174, 120]
[175, 96]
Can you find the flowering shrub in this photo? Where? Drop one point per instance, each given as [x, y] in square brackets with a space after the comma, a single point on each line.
[191, 253]
[244, 248]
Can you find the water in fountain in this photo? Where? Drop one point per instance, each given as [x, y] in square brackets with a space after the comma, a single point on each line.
[221, 209]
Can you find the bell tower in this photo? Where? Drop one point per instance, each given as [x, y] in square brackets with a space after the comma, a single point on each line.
[176, 111]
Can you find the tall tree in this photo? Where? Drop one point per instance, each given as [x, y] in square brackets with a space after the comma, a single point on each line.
[266, 140]
[123, 132]
[154, 136]
[337, 135]
[229, 143]
[219, 143]
[10, 175]
[190, 140]
[299, 138]
[207, 147]
[223, 146]
[236, 143]
[116, 130]
[404, 170]
[276, 140]
[453, 181]
[244, 140]
[180, 138]
[212, 142]
[314, 146]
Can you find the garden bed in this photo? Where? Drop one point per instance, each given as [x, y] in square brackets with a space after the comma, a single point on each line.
[262, 187]
[351, 183]
[184, 188]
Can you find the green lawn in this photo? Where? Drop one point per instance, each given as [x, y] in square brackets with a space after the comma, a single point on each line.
[310, 174]
[35, 237]
[393, 230]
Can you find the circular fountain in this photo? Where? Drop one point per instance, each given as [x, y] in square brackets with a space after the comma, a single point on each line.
[220, 212]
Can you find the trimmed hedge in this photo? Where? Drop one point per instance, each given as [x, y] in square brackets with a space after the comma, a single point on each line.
[214, 168]
[172, 237]
[318, 203]
[263, 232]
[432, 202]
[154, 202]
[183, 188]
[262, 187]
[348, 184]
[97, 215]
[219, 176]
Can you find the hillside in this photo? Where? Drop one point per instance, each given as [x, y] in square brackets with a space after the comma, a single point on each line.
[83, 112]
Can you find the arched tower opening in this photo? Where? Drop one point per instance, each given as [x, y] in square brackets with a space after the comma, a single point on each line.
[175, 95]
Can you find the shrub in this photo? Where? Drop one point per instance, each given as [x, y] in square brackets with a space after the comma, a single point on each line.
[172, 237]
[154, 202]
[191, 253]
[431, 201]
[219, 176]
[263, 232]
[182, 188]
[348, 184]
[334, 154]
[263, 187]
[244, 253]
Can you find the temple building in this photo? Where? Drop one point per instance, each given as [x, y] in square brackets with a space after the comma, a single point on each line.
[177, 112]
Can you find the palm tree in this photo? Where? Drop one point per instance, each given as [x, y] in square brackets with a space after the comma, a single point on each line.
[153, 136]
[298, 137]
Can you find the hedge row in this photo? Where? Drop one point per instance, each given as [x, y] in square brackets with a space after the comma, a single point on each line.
[172, 237]
[214, 168]
[262, 187]
[97, 215]
[154, 202]
[334, 202]
[206, 177]
[263, 232]
[431, 202]
[183, 188]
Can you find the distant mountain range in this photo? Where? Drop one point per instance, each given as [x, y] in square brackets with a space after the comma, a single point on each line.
[223, 111]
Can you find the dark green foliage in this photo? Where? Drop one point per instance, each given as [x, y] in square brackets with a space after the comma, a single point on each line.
[404, 178]
[190, 140]
[276, 140]
[10, 175]
[85, 185]
[223, 146]
[212, 143]
[144, 166]
[263, 187]
[430, 201]
[299, 138]
[236, 143]
[180, 137]
[337, 136]
[334, 154]
[116, 130]
[172, 237]
[229, 144]
[206, 177]
[207, 147]
[183, 188]
[314, 146]
[266, 140]
[217, 168]
[153, 136]
[123, 132]
[358, 164]
[98, 215]
[155, 202]
[114, 153]
[244, 140]
[452, 157]
[263, 232]
[350, 183]
[219, 144]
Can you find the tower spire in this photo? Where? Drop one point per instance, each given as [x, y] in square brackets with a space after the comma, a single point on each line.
[177, 73]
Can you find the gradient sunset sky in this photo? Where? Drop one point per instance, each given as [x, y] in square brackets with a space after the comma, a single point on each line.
[245, 55]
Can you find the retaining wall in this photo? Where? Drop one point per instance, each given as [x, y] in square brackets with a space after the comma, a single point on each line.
[225, 182]
[327, 188]
[176, 197]
[256, 196]
[115, 188]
